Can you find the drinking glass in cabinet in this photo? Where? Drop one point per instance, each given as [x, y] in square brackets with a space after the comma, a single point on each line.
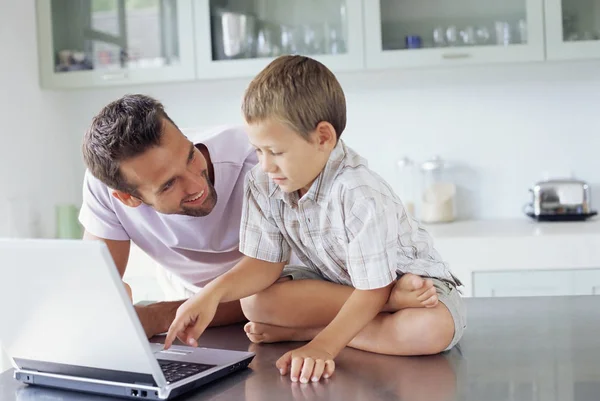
[246, 29]
[114, 34]
[456, 23]
[581, 20]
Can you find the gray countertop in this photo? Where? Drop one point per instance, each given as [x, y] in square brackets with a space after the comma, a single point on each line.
[521, 349]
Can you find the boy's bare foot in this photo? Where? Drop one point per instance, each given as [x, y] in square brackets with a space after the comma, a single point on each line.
[412, 291]
[266, 333]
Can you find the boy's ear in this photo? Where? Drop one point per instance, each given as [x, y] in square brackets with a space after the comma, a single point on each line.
[126, 199]
[326, 135]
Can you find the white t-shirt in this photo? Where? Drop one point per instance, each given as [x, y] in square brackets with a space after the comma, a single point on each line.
[196, 249]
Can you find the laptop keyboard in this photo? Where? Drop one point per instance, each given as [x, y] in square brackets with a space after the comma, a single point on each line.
[175, 371]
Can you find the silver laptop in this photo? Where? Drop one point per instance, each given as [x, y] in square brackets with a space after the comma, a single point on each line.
[66, 321]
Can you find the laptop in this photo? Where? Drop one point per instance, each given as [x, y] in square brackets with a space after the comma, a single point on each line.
[67, 322]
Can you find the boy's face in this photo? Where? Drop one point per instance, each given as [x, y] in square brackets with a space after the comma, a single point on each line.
[291, 161]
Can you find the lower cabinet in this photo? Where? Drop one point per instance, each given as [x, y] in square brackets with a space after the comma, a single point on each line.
[523, 283]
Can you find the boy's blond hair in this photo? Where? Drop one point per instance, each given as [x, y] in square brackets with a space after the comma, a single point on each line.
[297, 91]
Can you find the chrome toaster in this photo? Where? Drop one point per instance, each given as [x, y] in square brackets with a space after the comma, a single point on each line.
[561, 199]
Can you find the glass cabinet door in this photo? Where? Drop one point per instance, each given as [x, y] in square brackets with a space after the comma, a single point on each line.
[239, 37]
[431, 32]
[573, 29]
[92, 42]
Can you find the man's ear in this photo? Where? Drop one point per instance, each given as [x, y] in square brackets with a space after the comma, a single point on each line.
[326, 135]
[126, 199]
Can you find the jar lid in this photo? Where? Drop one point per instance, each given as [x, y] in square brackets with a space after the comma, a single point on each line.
[435, 163]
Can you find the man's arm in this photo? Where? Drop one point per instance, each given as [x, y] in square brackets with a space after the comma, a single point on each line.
[155, 318]
[119, 250]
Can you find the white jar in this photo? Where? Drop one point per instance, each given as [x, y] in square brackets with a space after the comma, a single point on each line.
[438, 194]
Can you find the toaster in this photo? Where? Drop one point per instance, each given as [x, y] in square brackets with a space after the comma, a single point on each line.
[561, 199]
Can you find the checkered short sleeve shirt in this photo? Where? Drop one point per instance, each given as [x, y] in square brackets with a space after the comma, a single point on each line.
[350, 226]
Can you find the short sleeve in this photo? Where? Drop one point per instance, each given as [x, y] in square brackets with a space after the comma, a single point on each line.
[260, 238]
[372, 247]
[97, 214]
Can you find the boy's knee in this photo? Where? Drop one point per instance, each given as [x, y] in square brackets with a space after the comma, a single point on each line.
[432, 331]
[258, 307]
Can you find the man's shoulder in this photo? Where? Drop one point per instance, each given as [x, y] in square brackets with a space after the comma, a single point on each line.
[94, 185]
[225, 143]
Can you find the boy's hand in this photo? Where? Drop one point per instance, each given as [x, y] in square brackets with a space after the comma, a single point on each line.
[307, 363]
[192, 318]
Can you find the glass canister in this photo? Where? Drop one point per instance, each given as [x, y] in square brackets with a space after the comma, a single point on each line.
[407, 184]
[438, 192]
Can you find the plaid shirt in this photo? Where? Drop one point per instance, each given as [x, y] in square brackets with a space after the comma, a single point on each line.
[350, 226]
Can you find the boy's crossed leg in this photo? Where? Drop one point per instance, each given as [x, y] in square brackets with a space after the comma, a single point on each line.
[413, 322]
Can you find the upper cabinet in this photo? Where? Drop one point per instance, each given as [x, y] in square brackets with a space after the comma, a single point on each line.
[238, 38]
[86, 43]
[407, 33]
[572, 29]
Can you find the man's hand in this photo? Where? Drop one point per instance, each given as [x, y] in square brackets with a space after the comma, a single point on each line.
[149, 319]
[192, 318]
[156, 317]
[307, 363]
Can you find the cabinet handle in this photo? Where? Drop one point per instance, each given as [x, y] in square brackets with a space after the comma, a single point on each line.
[455, 56]
[115, 76]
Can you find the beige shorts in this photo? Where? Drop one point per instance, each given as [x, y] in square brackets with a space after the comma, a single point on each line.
[447, 294]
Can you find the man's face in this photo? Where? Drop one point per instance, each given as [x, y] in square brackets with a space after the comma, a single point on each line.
[173, 177]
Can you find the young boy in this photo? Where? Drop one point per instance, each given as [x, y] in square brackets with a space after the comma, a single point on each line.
[314, 195]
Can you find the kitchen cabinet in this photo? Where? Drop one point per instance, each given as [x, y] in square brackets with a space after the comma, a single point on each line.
[524, 283]
[587, 282]
[238, 38]
[572, 29]
[96, 43]
[404, 33]
[88, 43]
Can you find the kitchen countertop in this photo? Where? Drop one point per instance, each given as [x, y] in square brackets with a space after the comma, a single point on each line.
[475, 247]
[514, 228]
[520, 349]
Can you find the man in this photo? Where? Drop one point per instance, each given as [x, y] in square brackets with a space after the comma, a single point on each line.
[178, 199]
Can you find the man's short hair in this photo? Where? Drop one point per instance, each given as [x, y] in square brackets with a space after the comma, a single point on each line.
[123, 129]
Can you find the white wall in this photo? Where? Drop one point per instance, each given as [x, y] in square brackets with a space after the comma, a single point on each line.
[37, 165]
[505, 126]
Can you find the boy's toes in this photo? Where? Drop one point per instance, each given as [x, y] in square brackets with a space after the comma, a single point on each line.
[256, 338]
[410, 282]
[428, 283]
[431, 301]
[427, 294]
[249, 327]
